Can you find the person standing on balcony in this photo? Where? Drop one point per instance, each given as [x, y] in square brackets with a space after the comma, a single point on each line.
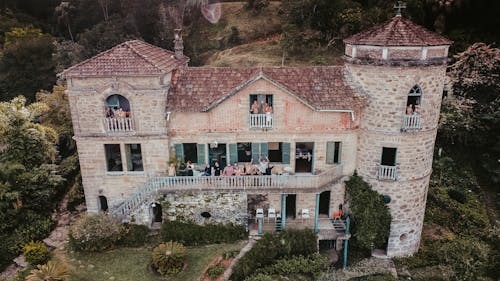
[208, 170]
[171, 170]
[409, 109]
[228, 170]
[264, 164]
[254, 109]
[189, 168]
[217, 170]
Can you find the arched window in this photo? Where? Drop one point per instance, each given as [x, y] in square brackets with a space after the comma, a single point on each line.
[103, 203]
[117, 106]
[414, 100]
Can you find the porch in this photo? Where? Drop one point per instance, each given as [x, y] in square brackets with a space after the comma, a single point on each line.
[262, 121]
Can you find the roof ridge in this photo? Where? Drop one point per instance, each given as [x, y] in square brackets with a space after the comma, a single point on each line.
[141, 55]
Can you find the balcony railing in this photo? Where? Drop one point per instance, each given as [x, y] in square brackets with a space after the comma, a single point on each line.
[118, 124]
[261, 120]
[411, 122]
[232, 183]
[387, 172]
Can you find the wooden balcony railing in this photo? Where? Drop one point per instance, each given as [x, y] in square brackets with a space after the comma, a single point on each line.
[261, 120]
[387, 172]
[118, 124]
[233, 183]
[411, 122]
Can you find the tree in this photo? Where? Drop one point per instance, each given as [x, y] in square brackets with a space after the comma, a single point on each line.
[26, 65]
[62, 13]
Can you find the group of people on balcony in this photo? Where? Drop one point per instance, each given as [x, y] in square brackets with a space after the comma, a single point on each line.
[247, 169]
[116, 112]
[413, 109]
[262, 108]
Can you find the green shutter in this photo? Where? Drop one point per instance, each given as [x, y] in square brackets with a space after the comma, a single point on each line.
[255, 152]
[179, 151]
[201, 153]
[285, 153]
[340, 153]
[233, 153]
[264, 149]
[330, 152]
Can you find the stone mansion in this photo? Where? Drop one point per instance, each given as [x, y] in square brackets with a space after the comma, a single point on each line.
[136, 108]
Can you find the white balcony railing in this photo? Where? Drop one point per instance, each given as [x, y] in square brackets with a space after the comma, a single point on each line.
[233, 183]
[387, 172]
[118, 124]
[411, 122]
[261, 120]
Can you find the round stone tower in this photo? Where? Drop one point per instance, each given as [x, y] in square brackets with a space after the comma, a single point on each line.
[401, 67]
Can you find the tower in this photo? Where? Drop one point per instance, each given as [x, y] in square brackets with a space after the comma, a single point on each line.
[401, 67]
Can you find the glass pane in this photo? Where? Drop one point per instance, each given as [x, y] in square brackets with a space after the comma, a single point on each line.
[134, 157]
[113, 157]
[275, 153]
[388, 156]
[244, 152]
[190, 152]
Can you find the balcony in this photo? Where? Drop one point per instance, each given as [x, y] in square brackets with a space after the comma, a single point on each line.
[120, 124]
[387, 172]
[279, 183]
[262, 121]
[411, 122]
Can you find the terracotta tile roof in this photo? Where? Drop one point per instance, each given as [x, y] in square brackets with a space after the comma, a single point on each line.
[398, 32]
[129, 58]
[202, 88]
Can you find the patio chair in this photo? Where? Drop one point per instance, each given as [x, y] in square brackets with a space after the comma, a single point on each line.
[305, 214]
[259, 214]
[271, 213]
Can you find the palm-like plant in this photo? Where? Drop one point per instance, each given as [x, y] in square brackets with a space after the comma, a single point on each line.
[52, 271]
[168, 258]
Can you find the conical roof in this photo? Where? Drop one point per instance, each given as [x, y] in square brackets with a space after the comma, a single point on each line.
[398, 32]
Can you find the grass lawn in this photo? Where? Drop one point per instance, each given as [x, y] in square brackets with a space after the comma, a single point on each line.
[132, 263]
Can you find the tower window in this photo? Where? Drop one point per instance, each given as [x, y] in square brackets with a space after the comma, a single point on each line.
[388, 156]
[117, 106]
[113, 157]
[414, 100]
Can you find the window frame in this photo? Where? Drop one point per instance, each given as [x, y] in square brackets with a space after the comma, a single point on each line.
[130, 161]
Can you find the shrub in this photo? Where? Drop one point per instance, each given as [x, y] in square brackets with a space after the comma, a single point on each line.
[52, 271]
[134, 235]
[300, 242]
[229, 254]
[36, 253]
[457, 195]
[259, 277]
[189, 233]
[367, 206]
[214, 271]
[310, 266]
[168, 258]
[95, 233]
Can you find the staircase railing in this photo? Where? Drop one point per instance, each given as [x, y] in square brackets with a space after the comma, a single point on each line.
[240, 183]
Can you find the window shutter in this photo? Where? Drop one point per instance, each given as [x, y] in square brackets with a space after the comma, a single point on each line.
[233, 153]
[179, 151]
[255, 152]
[285, 153]
[330, 152]
[340, 153]
[201, 153]
[264, 149]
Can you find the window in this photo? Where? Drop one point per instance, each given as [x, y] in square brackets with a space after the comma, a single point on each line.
[261, 104]
[388, 156]
[117, 106]
[113, 157]
[414, 100]
[275, 152]
[190, 152]
[244, 152]
[333, 152]
[134, 157]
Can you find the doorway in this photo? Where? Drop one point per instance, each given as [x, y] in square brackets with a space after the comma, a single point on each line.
[217, 152]
[103, 203]
[304, 157]
[291, 206]
[324, 203]
[157, 212]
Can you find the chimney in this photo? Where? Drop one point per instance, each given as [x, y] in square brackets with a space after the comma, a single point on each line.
[178, 44]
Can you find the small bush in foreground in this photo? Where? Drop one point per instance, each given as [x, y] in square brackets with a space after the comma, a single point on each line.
[190, 234]
[310, 266]
[134, 235]
[214, 271]
[259, 277]
[168, 258]
[94, 233]
[52, 271]
[36, 253]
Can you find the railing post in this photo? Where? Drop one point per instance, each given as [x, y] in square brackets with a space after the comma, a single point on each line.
[316, 214]
[283, 211]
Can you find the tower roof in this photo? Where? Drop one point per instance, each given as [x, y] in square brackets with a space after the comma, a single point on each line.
[133, 57]
[398, 32]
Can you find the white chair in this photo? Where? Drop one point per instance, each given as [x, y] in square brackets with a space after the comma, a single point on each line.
[305, 214]
[271, 214]
[259, 214]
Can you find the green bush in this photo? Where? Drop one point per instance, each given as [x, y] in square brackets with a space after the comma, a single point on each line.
[94, 233]
[229, 254]
[52, 271]
[457, 195]
[168, 258]
[259, 277]
[134, 235]
[191, 234]
[214, 271]
[272, 247]
[36, 253]
[310, 266]
[366, 207]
